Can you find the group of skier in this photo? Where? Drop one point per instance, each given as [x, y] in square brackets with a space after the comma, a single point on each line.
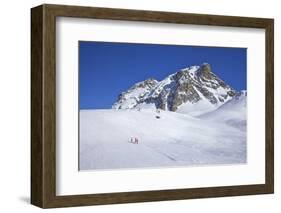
[134, 140]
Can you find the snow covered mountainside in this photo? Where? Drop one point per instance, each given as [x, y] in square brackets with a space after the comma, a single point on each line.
[173, 140]
[194, 90]
[190, 118]
[234, 112]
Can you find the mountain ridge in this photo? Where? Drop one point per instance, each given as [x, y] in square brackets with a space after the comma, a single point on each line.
[193, 90]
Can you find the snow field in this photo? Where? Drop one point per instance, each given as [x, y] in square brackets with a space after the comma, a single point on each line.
[173, 140]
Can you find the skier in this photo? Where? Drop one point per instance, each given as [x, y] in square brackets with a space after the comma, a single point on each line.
[136, 141]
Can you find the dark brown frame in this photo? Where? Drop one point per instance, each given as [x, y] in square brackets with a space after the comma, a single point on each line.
[43, 105]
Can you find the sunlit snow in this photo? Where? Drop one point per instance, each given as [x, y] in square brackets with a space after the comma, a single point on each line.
[174, 139]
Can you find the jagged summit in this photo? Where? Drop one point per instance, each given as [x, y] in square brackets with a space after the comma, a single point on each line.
[193, 90]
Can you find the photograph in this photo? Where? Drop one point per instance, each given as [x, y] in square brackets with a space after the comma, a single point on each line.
[144, 106]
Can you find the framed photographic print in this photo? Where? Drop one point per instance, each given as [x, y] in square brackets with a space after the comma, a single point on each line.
[136, 106]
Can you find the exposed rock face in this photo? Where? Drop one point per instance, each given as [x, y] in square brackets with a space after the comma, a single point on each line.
[190, 85]
[135, 95]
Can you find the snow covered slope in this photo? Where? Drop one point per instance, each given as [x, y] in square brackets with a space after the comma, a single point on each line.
[234, 112]
[194, 90]
[174, 139]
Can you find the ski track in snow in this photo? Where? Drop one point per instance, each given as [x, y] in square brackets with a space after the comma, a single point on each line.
[173, 140]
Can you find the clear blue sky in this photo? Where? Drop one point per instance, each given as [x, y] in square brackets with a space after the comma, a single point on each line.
[106, 69]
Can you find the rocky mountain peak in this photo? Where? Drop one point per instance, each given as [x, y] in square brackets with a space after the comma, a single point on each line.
[194, 85]
[205, 71]
[206, 67]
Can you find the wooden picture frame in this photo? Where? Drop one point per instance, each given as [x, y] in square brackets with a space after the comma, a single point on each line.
[43, 105]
